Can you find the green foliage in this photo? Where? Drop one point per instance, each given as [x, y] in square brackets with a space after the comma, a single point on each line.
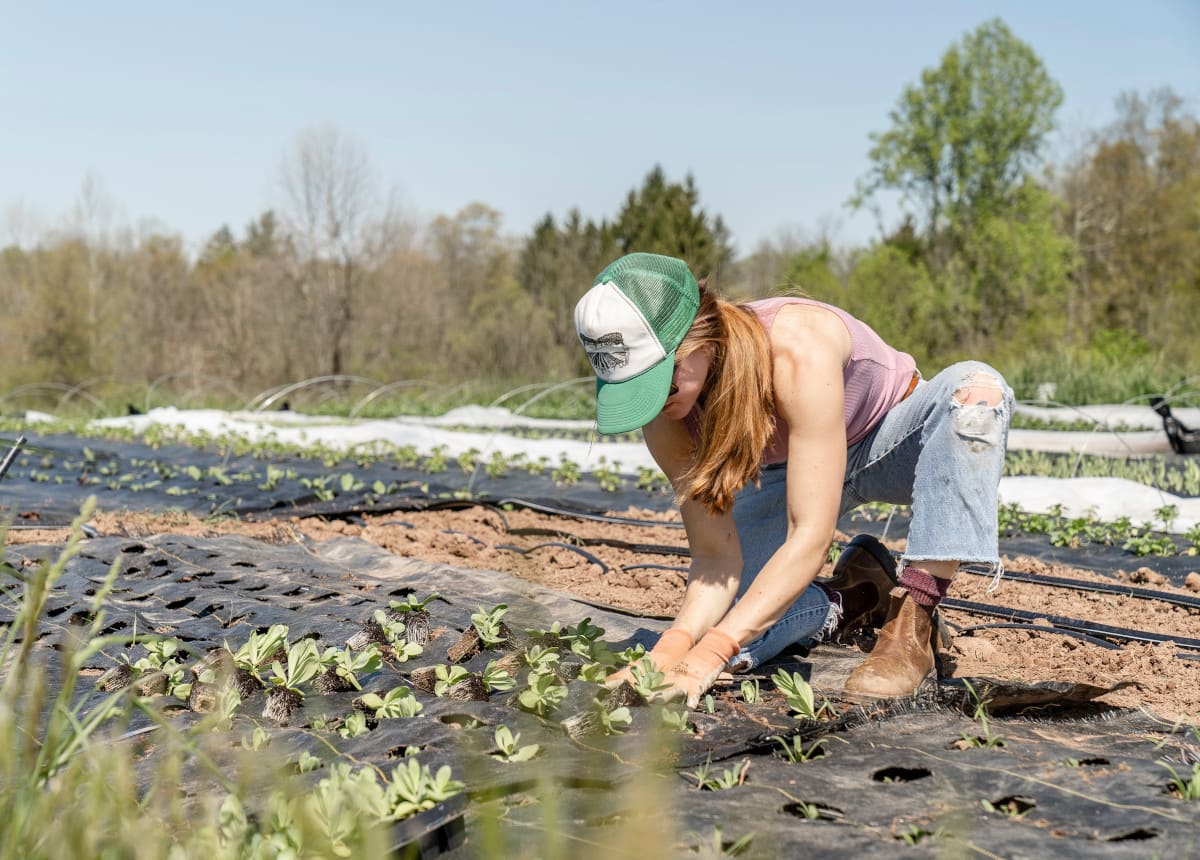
[488, 624]
[614, 722]
[651, 480]
[496, 678]
[663, 217]
[987, 738]
[632, 654]
[260, 649]
[716, 845]
[447, 677]
[1011, 273]
[989, 260]
[608, 477]
[796, 752]
[394, 629]
[307, 762]
[677, 717]
[750, 692]
[1130, 204]
[52, 736]
[798, 694]
[809, 811]
[161, 660]
[647, 679]
[1185, 787]
[543, 694]
[349, 664]
[883, 277]
[541, 659]
[411, 604]
[303, 664]
[1012, 808]
[413, 788]
[395, 703]
[1079, 531]
[1148, 543]
[555, 265]
[707, 779]
[567, 472]
[1092, 286]
[584, 639]
[963, 140]
[914, 835]
[257, 740]
[811, 271]
[354, 726]
[508, 746]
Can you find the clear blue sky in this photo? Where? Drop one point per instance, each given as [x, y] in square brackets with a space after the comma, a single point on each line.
[183, 111]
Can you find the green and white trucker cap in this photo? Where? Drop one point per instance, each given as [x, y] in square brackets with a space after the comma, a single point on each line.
[630, 323]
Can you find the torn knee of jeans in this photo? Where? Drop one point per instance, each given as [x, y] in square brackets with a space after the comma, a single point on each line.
[980, 389]
[977, 411]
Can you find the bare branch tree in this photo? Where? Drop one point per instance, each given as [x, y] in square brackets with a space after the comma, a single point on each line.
[335, 215]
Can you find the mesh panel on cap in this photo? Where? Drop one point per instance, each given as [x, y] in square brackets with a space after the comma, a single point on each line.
[663, 290]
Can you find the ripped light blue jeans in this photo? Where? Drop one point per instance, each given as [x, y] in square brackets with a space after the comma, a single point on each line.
[931, 451]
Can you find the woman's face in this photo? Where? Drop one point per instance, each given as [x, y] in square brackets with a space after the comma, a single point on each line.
[686, 384]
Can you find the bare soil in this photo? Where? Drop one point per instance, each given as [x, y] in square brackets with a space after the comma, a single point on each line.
[554, 552]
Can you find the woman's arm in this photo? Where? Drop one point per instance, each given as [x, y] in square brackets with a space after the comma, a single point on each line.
[810, 347]
[716, 565]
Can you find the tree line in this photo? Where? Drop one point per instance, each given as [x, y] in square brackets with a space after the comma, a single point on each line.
[1090, 264]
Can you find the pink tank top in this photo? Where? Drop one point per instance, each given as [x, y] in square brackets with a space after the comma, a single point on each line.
[876, 377]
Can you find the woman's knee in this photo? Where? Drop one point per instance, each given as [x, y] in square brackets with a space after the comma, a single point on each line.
[980, 404]
[979, 384]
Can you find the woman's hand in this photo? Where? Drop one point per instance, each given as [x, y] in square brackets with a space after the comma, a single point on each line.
[690, 678]
[672, 646]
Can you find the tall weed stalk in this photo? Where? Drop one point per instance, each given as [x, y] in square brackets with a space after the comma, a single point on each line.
[71, 786]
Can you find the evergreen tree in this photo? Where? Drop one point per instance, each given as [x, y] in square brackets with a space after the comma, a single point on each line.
[665, 217]
[555, 268]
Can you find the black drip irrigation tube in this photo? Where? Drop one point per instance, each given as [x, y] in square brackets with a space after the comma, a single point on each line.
[604, 568]
[1084, 585]
[1105, 631]
[1074, 634]
[581, 515]
[646, 548]
[463, 504]
[671, 568]
[1100, 634]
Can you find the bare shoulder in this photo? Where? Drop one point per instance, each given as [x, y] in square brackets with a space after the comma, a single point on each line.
[804, 334]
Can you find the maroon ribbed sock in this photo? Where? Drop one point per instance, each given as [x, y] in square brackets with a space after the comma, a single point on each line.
[926, 590]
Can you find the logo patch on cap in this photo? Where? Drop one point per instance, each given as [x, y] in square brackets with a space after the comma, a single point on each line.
[607, 352]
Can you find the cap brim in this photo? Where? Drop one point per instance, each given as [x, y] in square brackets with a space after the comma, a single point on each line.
[634, 403]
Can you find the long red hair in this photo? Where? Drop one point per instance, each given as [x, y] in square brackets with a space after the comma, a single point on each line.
[737, 400]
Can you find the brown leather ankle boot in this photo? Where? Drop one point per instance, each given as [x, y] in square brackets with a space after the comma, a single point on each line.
[902, 657]
[864, 577]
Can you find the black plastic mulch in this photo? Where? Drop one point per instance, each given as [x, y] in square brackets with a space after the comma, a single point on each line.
[54, 474]
[1070, 777]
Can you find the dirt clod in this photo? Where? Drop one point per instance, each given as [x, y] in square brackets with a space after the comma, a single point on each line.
[1148, 576]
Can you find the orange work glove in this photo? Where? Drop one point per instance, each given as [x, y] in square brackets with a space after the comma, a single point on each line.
[671, 647]
[691, 677]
